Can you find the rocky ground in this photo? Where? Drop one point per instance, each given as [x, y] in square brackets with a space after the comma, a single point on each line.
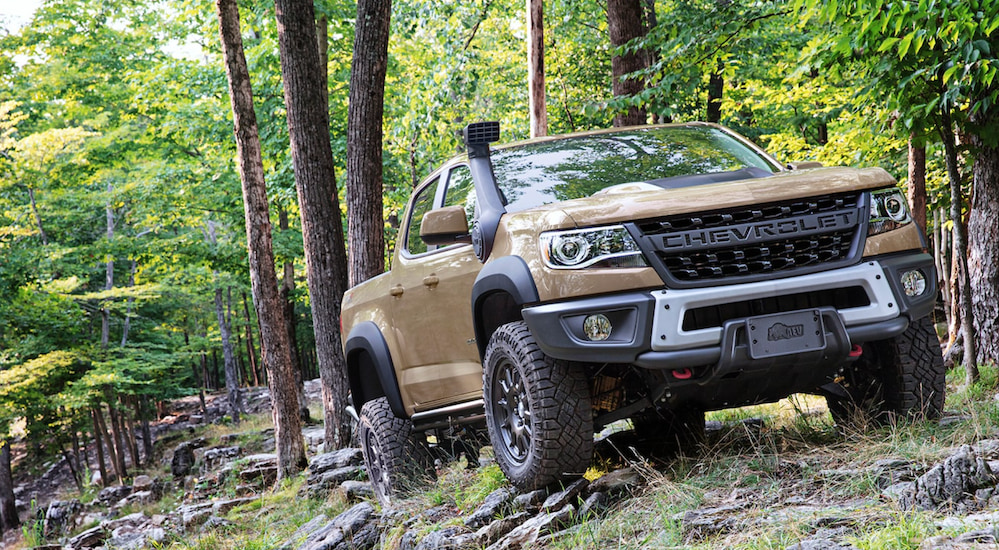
[751, 489]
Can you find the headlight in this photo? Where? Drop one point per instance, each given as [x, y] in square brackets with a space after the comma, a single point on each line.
[889, 210]
[598, 247]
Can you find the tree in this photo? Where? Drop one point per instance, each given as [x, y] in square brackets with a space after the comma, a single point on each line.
[364, 140]
[935, 64]
[312, 158]
[624, 21]
[537, 104]
[8, 508]
[263, 277]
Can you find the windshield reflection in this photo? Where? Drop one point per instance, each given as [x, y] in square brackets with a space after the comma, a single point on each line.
[564, 169]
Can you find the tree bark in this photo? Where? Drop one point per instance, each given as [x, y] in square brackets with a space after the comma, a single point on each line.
[100, 449]
[536, 68]
[251, 349]
[8, 508]
[961, 248]
[716, 84]
[112, 452]
[983, 257]
[142, 411]
[312, 159]
[108, 272]
[37, 216]
[365, 233]
[229, 358]
[127, 322]
[916, 187]
[263, 277]
[624, 21]
[288, 300]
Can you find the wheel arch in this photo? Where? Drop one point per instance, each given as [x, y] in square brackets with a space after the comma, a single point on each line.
[366, 350]
[500, 290]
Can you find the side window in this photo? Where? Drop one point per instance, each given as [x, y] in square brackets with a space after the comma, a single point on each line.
[461, 191]
[422, 204]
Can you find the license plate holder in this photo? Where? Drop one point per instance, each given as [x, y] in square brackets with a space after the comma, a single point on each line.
[785, 333]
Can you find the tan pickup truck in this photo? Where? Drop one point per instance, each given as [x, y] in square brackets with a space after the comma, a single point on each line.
[541, 290]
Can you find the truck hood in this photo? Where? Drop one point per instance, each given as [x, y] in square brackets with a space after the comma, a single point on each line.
[637, 201]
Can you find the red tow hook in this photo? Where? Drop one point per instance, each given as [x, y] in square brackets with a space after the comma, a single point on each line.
[682, 374]
[857, 351]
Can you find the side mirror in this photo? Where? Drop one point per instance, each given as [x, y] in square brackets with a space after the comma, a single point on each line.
[805, 165]
[445, 226]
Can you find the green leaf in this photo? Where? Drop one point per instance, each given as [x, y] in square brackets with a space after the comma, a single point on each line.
[903, 45]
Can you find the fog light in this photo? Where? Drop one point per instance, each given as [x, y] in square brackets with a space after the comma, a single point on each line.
[597, 327]
[913, 282]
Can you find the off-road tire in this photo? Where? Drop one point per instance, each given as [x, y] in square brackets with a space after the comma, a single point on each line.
[538, 410]
[661, 430]
[902, 377]
[397, 459]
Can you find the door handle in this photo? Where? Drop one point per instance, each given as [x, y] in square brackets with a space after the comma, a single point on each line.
[397, 290]
[431, 280]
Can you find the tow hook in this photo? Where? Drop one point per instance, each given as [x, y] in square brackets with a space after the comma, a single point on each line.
[856, 351]
[682, 374]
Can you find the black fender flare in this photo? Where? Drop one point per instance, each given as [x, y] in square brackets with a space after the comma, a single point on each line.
[366, 337]
[509, 274]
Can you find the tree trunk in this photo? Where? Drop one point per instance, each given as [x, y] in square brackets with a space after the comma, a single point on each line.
[129, 431]
[117, 436]
[108, 272]
[916, 186]
[960, 246]
[288, 300]
[8, 508]
[127, 323]
[37, 216]
[715, 86]
[983, 257]
[536, 67]
[100, 449]
[624, 21]
[263, 278]
[112, 453]
[366, 226]
[142, 410]
[231, 384]
[312, 159]
[250, 348]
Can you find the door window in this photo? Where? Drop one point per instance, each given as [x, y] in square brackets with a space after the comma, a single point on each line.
[423, 202]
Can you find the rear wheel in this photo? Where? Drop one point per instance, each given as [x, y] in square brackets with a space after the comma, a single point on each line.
[899, 377]
[538, 410]
[396, 457]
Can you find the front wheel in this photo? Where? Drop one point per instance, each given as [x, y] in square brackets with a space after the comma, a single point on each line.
[538, 410]
[899, 377]
[395, 456]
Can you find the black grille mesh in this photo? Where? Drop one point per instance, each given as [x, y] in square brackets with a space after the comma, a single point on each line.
[756, 258]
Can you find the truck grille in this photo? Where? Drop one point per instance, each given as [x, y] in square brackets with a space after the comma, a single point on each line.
[757, 241]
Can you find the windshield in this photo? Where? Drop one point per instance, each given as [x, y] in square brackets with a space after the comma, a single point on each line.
[551, 171]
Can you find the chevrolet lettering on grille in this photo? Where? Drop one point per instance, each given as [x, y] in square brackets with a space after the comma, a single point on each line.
[750, 233]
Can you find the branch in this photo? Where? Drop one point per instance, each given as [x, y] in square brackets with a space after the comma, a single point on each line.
[741, 28]
[475, 28]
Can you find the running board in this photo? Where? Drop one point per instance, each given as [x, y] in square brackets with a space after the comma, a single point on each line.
[470, 412]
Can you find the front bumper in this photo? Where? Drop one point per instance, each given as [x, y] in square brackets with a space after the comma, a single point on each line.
[675, 329]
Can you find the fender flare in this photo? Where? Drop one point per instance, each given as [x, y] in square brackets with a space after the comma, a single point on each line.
[367, 337]
[509, 274]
